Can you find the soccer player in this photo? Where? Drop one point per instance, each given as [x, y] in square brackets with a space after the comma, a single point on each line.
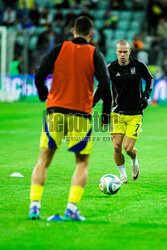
[130, 100]
[69, 103]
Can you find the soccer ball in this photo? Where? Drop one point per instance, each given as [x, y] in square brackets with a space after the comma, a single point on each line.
[109, 184]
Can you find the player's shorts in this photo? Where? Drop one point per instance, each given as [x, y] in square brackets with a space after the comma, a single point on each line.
[126, 124]
[76, 130]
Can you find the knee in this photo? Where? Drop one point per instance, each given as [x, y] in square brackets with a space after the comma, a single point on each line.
[82, 160]
[128, 149]
[117, 148]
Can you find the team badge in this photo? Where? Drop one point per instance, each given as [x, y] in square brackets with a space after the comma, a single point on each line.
[133, 71]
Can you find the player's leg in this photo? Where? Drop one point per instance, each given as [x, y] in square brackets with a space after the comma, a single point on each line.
[118, 156]
[51, 137]
[132, 133]
[129, 144]
[117, 140]
[78, 183]
[82, 147]
[117, 130]
[40, 170]
[38, 180]
[80, 175]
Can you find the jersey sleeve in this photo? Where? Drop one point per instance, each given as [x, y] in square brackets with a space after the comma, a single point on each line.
[46, 67]
[146, 75]
[103, 90]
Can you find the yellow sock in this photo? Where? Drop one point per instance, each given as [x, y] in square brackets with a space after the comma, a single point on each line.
[36, 192]
[75, 195]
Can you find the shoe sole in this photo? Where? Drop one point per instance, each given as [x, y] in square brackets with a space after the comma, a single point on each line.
[126, 182]
[34, 217]
[68, 219]
[135, 178]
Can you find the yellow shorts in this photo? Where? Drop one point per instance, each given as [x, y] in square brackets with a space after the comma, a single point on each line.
[76, 130]
[126, 124]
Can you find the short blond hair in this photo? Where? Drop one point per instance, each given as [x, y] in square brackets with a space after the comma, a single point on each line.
[123, 43]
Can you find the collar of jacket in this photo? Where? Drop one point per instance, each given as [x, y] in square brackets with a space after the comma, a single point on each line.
[132, 60]
[79, 40]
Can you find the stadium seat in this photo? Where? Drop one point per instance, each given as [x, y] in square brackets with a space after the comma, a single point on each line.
[99, 14]
[57, 29]
[108, 33]
[52, 11]
[126, 15]
[65, 11]
[128, 5]
[103, 5]
[120, 34]
[135, 26]
[99, 24]
[130, 35]
[111, 55]
[33, 42]
[138, 15]
[44, 3]
[92, 13]
[123, 25]
[40, 29]
[111, 44]
[77, 11]
[116, 13]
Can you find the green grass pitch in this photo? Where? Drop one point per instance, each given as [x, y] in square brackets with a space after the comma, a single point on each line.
[134, 218]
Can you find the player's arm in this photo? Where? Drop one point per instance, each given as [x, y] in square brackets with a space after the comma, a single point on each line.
[102, 75]
[45, 68]
[103, 89]
[146, 75]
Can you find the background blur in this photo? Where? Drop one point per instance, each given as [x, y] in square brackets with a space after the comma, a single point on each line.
[29, 29]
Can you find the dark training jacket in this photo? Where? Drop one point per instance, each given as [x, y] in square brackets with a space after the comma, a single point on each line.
[127, 86]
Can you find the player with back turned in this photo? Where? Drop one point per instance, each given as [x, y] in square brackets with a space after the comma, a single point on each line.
[130, 100]
[69, 103]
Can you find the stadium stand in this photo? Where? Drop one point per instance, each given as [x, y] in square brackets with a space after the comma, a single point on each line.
[45, 23]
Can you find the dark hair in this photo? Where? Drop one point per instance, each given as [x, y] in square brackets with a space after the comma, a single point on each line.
[83, 25]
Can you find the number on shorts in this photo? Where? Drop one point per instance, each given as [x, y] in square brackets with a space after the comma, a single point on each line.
[137, 127]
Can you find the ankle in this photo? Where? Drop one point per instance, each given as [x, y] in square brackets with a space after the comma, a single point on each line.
[122, 171]
[72, 207]
[35, 204]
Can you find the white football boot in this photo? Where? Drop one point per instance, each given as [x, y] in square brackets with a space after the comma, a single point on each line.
[123, 180]
[135, 170]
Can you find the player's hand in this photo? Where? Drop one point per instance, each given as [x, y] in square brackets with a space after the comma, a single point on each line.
[143, 102]
[43, 93]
